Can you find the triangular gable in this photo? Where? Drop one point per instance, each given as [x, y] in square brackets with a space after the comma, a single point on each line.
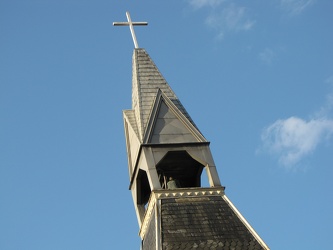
[167, 124]
[145, 82]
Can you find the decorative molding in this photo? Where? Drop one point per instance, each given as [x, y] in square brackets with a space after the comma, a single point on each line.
[182, 193]
[148, 215]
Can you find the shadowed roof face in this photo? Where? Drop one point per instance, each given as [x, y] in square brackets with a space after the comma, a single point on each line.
[146, 82]
[203, 223]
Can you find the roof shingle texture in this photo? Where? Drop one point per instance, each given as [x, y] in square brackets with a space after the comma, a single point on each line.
[203, 223]
[146, 81]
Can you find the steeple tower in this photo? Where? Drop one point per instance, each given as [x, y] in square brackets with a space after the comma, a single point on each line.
[162, 140]
[166, 156]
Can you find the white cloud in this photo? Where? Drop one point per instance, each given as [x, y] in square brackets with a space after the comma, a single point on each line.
[231, 18]
[294, 138]
[294, 7]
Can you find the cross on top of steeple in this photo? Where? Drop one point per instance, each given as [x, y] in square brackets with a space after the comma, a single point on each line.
[130, 24]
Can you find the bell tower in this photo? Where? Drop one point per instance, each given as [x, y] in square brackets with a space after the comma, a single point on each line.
[162, 141]
[166, 157]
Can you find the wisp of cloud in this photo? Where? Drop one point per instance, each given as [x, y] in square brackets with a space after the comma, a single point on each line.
[224, 17]
[294, 138]
[294, 7]
[231, 18]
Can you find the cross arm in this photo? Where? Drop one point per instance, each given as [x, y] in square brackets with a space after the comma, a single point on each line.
[127, 23]
[130, 24]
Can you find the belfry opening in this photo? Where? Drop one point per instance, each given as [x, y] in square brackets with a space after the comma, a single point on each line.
[143, 188]
[179, 167]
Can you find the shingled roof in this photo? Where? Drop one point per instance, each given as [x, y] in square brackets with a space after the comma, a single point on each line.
[202, 220]
[146, 82]
[203, 223]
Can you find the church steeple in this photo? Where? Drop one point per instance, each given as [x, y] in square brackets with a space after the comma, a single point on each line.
[166, 157]
[162, 139]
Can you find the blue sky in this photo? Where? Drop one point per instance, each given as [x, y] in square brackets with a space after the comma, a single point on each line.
[255, 76]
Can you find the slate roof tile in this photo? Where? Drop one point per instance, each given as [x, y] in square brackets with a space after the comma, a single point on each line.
[202, 224]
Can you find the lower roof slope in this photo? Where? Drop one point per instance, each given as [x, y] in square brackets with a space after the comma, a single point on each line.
[203, 223]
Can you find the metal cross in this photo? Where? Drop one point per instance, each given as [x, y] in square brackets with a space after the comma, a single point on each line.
[130, 24]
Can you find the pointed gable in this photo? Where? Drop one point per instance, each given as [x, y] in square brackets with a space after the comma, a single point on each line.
[147, 80]
[169, 129]
[167, 124]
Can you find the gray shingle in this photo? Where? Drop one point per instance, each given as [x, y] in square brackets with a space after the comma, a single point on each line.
[208, 223]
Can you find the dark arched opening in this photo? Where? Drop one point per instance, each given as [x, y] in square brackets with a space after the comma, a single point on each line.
[180, 166]
[143, 188]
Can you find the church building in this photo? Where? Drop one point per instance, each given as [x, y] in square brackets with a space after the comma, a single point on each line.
[167, 154]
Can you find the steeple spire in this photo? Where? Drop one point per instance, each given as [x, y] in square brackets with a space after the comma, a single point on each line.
[166, 157]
